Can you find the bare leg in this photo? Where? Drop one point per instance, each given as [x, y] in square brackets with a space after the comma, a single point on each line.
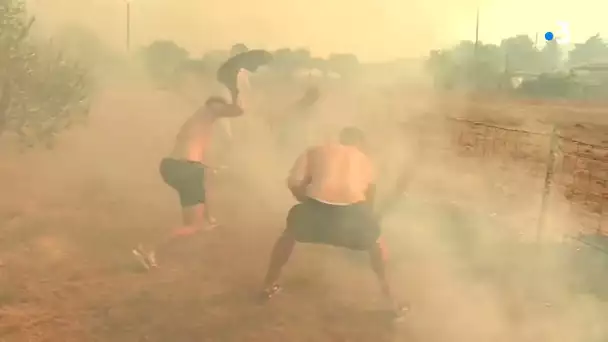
[383, 249]
[193, 221]
[378, 266]
[377, 259]
[280, 255]
[209, 220]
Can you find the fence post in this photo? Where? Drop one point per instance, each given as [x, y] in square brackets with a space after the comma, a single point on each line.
[547, 186]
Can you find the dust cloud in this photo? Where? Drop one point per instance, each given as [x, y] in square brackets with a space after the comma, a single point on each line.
[462, 238]
[375, 31]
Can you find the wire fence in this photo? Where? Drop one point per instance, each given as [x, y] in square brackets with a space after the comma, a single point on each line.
[582, 176]
[574, 170]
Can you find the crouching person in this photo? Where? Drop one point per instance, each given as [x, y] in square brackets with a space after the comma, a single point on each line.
[335, 187]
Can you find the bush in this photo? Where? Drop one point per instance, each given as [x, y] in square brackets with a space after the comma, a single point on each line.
[42, 93]
[551, 86]
[164, 60]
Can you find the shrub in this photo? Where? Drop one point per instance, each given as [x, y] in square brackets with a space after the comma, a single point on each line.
[42, 93]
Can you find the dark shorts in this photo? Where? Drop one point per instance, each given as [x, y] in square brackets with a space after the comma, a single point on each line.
[350, 226]
[187, 178]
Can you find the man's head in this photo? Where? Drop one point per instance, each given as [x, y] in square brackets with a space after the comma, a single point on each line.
[219, 107]
[352, 136]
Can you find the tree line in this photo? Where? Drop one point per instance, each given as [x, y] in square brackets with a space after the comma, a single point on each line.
[546, 71]
[493, 66]
[43, 91]
[165, 60]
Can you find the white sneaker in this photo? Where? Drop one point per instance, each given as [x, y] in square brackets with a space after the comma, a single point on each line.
[141, 258]
[151, 258]
[210, 223]
[146, 258]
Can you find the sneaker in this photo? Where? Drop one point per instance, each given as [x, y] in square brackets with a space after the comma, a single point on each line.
[267, 294]
[140, 256]
[146, 258]
[399, 312]
[151, 259]
[210, 223]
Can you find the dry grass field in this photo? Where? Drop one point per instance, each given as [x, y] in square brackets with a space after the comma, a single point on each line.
[520, 133]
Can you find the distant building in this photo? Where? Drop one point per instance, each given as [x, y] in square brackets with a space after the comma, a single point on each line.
[593, 67]
[594, 72]
[593, 77]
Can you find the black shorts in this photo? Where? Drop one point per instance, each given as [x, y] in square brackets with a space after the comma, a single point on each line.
[187, 178]
[350, 226]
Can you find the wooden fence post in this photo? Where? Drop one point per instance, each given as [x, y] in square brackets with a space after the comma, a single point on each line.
[547, 185]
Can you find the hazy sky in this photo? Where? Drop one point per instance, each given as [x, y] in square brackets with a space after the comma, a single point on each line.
[373, 29]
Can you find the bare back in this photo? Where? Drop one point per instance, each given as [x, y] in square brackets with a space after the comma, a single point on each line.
[336, 174]
[193, 139]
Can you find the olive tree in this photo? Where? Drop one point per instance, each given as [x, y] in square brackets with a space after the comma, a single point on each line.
[42, 93]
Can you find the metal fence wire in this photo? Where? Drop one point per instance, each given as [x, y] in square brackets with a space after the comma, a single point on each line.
[582, 175]
[576, 170]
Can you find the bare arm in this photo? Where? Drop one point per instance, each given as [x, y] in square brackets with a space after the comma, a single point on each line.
[300, 177]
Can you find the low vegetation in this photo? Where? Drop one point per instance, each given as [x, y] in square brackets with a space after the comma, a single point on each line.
[42, 92]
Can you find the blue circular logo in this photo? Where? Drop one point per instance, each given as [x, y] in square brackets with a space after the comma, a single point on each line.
[549, 36]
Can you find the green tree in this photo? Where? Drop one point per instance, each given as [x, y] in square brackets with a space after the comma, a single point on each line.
[466, 65]
[42, 93]
[284, 62]
[163, 59]
[301, 58]
[551, 57]
[520, 53]
[215, 58]
[238, 48]
[592, 50]
[195, 67]
[489, 66]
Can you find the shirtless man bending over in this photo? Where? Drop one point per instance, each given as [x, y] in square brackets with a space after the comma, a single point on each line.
[335, 187]
[184, 170]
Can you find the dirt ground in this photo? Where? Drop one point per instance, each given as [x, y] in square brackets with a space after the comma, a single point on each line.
[519, 132]
[69, 218]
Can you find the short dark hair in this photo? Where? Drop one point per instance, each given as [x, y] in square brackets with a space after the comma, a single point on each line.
[215, 100]
[351, 136]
